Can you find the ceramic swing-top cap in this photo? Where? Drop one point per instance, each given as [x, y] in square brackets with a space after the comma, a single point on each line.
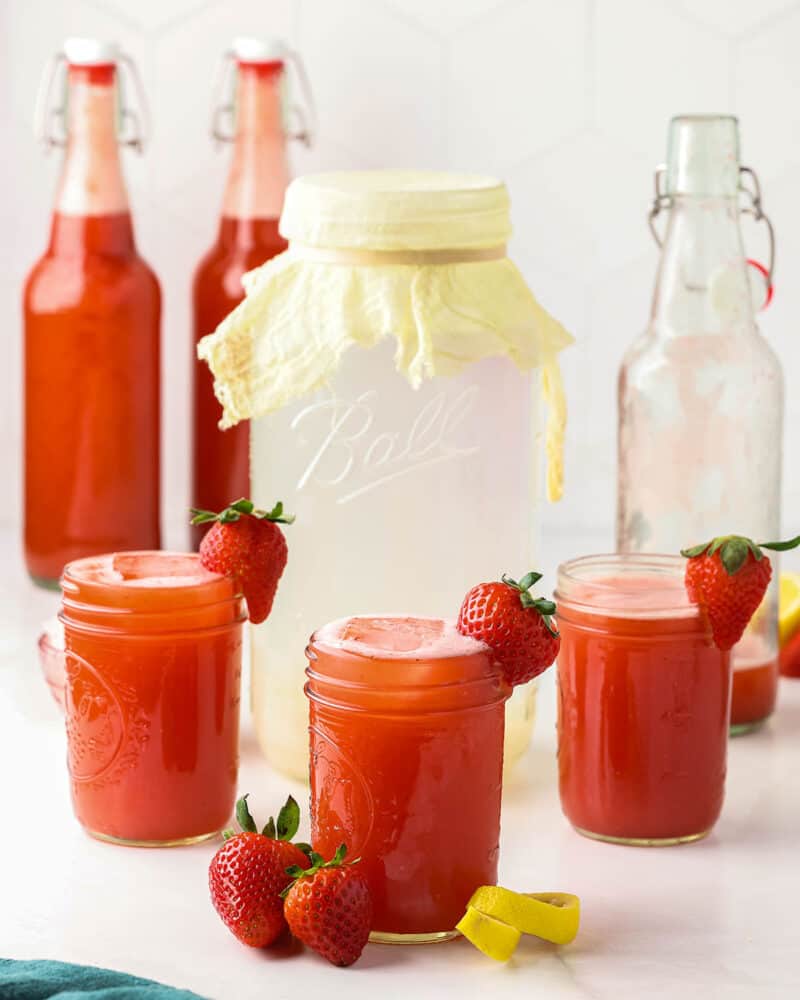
[259, 50]
[90, 52]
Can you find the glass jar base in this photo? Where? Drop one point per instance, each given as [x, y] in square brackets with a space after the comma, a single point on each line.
[742, 728]
[689, 838]
[178, 842]
[45, 582]
[386, 937]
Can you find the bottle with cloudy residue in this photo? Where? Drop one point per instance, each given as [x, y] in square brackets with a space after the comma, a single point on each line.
[701, 391]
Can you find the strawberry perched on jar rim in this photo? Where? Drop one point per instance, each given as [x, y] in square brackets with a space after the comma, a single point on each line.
[728, 578]
[516, 626]
[248, 874]
[328, 907]
[246, 544]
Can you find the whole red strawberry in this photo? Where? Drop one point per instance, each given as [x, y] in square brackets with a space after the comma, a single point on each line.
[248, 874]
[516, 626]
[246, 543]
[728, 577]
[329, 908]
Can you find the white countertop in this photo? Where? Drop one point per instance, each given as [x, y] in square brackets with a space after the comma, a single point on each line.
[717, 919]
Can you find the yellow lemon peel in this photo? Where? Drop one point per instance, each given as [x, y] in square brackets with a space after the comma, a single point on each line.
[494, 938]
[789, 606]
[496, 918]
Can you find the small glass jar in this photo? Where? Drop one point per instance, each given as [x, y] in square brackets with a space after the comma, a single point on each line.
[643, 703]
[153, 662]
[406, 735]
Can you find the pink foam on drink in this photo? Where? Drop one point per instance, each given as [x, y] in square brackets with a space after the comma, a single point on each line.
[397, 636]
[640, 593]
[145, 569]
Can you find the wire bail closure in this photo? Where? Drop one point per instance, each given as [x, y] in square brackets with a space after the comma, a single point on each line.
[300, 120]
[662, 201]
[50, 126]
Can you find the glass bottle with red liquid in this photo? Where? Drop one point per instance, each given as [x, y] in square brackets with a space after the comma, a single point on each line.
[247, 237]
[92, 315]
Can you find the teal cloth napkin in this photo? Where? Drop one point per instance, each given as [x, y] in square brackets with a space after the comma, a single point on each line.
[42, 980]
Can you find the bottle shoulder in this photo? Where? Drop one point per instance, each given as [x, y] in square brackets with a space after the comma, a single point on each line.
[741, 350]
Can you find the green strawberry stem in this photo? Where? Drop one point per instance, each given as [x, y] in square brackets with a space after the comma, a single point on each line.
[317, 863]
[734, 550]
[285, 828]
[545, 607]
[235, 510]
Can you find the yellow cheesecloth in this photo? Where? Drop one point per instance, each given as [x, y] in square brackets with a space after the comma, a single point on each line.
[418, 256]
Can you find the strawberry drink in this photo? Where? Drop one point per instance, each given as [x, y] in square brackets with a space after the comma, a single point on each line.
[643, 707]
[153, 660]
[728, 579]
[406, 727]
[406, 730]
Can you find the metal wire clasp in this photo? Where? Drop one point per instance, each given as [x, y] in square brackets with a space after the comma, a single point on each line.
[300, 120]
[50, 114]
[662, 200]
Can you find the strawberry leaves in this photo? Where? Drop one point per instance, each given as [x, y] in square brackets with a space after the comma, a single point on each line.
[234, 511]
[317, 864]
[734, 549]
[545, 607]
[284, 828]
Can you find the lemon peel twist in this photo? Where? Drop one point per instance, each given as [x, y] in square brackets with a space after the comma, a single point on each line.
[496, 918]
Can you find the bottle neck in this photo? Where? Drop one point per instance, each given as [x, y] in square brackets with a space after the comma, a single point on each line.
[259, 173]
[703, 285]
[91, 181]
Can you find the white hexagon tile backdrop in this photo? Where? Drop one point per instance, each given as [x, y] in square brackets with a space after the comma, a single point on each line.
[567, 101]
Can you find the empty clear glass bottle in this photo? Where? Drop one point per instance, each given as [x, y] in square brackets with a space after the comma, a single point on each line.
[701, 391]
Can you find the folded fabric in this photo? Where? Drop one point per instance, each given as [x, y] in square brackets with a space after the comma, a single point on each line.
[42, 980]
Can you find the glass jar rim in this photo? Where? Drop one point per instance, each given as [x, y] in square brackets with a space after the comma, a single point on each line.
[606, 574]
[468, 676]
[201, 600]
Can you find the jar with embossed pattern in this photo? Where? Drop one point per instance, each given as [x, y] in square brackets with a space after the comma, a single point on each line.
[153, 646]
[395, 367]
[406, 736]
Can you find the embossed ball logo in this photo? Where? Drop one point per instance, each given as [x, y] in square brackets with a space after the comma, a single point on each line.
[95, 721]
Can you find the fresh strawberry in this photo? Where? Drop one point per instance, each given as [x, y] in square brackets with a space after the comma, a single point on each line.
[329, 908]
[516, 626]
[248, 874]
[728, 577]
[246, 543]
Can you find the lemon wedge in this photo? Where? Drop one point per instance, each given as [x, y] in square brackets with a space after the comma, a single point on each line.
[789, 606]
[496, 918]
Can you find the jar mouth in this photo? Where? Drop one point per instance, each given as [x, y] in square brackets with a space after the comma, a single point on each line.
[147, 592]
[626, 585]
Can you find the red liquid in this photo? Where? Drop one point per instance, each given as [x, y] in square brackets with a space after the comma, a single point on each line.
[221, 470]
[642, 719]
[406, 768]
[755, 682]
[790, 657]
[153, 660]
[92, 310]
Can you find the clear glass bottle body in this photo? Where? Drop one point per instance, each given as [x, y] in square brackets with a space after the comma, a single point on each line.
[701, 407]
[414, 495]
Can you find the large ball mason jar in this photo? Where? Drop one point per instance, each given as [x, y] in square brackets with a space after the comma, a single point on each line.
[395, 367]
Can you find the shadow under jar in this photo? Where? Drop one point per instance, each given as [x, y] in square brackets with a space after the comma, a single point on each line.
[153, 650]
[406, 736]
[643, 703]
